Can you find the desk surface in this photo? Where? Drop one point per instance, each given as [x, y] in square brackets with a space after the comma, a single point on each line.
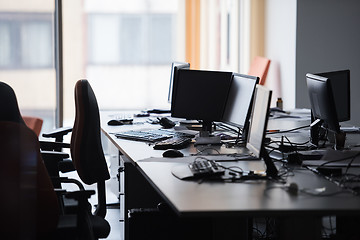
[261, 198]
[252, 198]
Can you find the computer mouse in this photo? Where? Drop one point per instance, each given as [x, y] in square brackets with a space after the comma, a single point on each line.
[115, 122]
[172, 153]
[293, 188]
[166, 123]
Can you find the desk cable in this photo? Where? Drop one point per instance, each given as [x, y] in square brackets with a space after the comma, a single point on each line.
[331, 179]
[286, 131]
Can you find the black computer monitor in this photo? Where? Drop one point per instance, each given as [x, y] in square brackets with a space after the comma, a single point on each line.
[200, 95]
[322, 101]
[174, 67]
[257, 129]
[258, 120]
[239, 103]
[340, 84]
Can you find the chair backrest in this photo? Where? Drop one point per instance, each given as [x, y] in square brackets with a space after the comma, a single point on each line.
[28, 201]
[259, 68]
[86, 149]
[9, 108]
[33, 123]
[85, 146]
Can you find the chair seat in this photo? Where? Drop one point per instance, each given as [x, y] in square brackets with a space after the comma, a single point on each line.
[100, 226]
[67, 227]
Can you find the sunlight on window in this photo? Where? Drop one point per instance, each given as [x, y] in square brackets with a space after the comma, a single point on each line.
[130, 50]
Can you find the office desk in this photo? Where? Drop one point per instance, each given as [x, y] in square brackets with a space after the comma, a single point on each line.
[149, 180]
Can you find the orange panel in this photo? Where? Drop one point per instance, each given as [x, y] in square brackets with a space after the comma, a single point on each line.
[192, 24]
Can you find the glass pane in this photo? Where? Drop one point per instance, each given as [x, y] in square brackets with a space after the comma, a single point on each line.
[124, 48]
[5, 57]
[104, 39]
[26, 56]
[160, 38]
[132, 40]
[36, 45]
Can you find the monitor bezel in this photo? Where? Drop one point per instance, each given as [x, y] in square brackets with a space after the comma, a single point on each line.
[316, 83]
[245, 125]
[338, 100]
[259, 152]
[175, 113]
[177, 65]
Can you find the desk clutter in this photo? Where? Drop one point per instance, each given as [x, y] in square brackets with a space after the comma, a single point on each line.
[265, 161]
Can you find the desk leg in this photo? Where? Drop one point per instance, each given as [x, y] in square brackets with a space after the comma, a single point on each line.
[232, 228]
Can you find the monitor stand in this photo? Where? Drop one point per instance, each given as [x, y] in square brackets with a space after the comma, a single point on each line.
[315, 127]
[271, 170]
[205, 138]
[339, 140]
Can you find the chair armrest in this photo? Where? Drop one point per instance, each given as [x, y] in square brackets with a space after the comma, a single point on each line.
[51, 160]
[51, 146]
[60, 191]
[80, 195]
[58, 134]
[68, 180]
[54, 156]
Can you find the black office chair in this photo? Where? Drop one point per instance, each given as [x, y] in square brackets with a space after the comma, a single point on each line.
[86, 151]
[29, 205]
[9, 109]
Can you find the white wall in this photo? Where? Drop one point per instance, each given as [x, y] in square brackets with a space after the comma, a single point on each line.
[280, 47]
[328, 39]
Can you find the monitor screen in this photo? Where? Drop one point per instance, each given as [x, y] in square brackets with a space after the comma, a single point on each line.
[322, 101]
[258, 119]
[200, 95]
[238, 106]
[174, 67]
[340, 84]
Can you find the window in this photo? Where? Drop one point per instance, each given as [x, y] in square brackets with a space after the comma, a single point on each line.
[26, 40]
[130, 39]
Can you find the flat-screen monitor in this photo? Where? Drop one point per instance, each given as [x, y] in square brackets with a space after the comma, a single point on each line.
[258, 120]
[200, 95]
[239, 102]
[257, 129]
[340, 84]
[174, 67]
[322, 101]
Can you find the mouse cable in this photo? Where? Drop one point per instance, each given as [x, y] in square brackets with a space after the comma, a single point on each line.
[341, 159]
[289, 130]
[239, 131]
[331, 179]
[203, 150]
[223, 126]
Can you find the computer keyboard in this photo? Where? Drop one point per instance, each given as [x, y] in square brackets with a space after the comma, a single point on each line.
[173, 143]
[205, 168]
[154, 135]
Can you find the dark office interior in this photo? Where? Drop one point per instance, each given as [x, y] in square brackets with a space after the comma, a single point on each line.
[179, 119]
